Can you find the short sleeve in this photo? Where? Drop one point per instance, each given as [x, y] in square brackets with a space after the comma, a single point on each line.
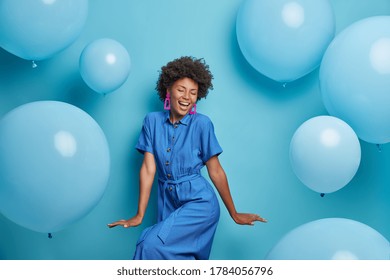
[209, 143]
[145, 142]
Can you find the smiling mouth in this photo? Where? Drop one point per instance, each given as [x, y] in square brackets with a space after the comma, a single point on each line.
[184, 104]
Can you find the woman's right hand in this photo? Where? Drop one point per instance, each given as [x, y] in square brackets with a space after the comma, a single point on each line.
[132, 222]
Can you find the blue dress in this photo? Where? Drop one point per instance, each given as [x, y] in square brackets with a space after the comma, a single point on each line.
[188, 209]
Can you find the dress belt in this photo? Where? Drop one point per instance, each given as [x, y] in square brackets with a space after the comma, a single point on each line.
[185, 178]
[166, 183]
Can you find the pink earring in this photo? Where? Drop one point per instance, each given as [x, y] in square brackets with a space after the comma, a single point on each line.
[167, 102]
[193, 110]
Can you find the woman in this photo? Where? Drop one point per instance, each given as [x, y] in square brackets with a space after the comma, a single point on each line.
[177, 143]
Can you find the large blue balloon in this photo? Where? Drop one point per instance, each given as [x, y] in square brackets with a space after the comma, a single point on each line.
[331, 239]
[54, 165]
[325, 153]
[355, 78]
[104, 65]
[283, 39]
[39, 29]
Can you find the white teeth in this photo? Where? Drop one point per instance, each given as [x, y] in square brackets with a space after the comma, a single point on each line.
[184, 104]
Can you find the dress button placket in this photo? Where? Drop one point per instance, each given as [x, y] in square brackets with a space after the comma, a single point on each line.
[171, 141]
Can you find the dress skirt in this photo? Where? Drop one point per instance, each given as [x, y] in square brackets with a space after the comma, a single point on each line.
[188, 214]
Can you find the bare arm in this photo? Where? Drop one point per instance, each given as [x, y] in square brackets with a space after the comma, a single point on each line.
[219, 179]
[147, 172]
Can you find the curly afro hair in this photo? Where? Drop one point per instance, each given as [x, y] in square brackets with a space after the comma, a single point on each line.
[185, 67]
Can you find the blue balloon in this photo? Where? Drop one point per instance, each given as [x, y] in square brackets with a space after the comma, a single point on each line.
[104, 65]
[54, 165]
[282, 39]
[331, 239]
[325, 153]
[39, 29]
[355, 78]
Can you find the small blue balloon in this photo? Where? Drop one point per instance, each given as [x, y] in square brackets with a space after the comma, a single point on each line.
[39, 29]
[331, 239]
[282, 39]
[54, 165]
[325, 153]
[355, 78]
[104, 65]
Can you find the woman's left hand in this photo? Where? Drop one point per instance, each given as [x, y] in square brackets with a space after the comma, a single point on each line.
[248, 219]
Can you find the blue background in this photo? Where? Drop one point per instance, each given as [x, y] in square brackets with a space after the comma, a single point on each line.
[254, 118]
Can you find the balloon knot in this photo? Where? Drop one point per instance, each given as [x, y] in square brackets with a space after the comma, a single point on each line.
[379, 146]
[50, 236]
[322, 194]
[34, 65]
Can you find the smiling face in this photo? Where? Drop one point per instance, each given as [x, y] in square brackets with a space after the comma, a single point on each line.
[184, 94]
